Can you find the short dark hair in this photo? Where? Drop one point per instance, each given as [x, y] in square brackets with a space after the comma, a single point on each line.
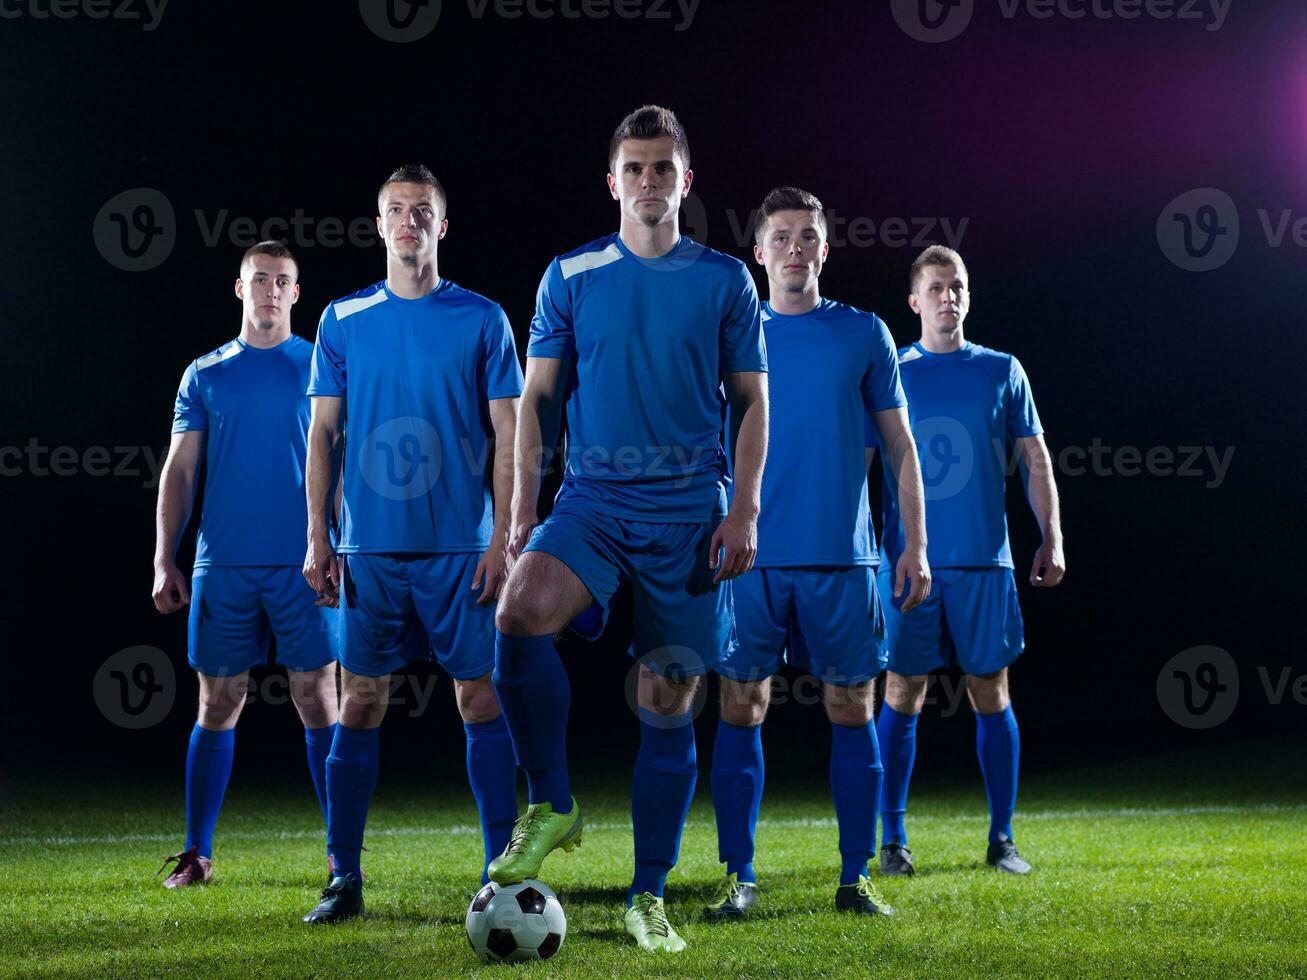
[935, 255]
[415, 173]
[276, 249]
[787, 199]
[649, 122]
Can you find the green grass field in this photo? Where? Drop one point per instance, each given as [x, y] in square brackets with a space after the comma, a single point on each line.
[1190, 865]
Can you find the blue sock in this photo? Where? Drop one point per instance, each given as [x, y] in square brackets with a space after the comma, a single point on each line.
[855, 778]
[534, 695]
[208, 767]
[998, 744]
[492, 773]
[897, 735]
[663, 786]
[737, 778]
[352, 770]
[317, 742]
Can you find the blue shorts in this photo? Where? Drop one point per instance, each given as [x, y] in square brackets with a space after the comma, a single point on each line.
[400, 609]
[235, 612]
[972, 613]
[683, 622]
[826, 621]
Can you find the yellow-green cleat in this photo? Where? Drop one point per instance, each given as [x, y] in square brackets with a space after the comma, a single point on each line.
[536, 833]
[646, 923]
[734, 900]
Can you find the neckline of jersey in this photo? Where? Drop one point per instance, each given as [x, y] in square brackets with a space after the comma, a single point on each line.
[440, 288]
[824, 305]
[266, 350]
[966, 346]
[681, 243]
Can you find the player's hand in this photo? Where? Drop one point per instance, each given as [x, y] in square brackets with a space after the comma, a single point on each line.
[738, 537]
[523, 523]
[1049, 565]
[322, 571]
[492, 569]
[913, 572]
[171, 590]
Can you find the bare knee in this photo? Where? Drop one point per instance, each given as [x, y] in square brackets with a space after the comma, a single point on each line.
[906, 693]
[363, 699]
[664, 696]
[744, 703]
[476, 700]
[315, 695]
[851, 707]
[989, 694]
[541, 596]
[221, 700]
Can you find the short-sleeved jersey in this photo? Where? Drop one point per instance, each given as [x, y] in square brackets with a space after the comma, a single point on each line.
[250, 403]
[648, 341]
[967, 407]
[830, 369]
[415, 375]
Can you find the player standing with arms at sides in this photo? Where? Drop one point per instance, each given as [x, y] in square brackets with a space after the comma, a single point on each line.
[636, 331]
[243, 408]
[812, 599]
[425, 374]
[968, 405]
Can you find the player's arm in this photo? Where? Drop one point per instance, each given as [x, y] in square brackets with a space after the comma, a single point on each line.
[492, 568]
[901, 458]
[321, 567]
[1041, 490]
[176, 497]
[737, 535]
[538, 419]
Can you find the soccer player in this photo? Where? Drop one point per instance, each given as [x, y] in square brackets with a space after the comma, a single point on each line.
[637, 332]
[243, 409]
[968, 405]
[813, 593]
[424, 374]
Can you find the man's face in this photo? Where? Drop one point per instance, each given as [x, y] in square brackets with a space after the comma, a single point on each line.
[941, 298]
[649, 180]
[793, 250]
[411, 222]
[268, 288]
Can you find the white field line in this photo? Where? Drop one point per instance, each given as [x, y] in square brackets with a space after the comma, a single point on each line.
[457, 830]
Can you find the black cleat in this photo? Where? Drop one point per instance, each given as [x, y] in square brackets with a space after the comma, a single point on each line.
[341, 900]
[896, 861]
[1003, 856]
[861, 899]
[734, 900]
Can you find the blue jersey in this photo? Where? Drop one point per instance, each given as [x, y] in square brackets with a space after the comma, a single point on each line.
[967, 407]
[415, 375]
[250, 403]
[830, 369]
[649, 341]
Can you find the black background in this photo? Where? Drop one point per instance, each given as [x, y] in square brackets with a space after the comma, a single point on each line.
[1060, 141]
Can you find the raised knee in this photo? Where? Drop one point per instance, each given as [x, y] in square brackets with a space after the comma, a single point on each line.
[518, 616]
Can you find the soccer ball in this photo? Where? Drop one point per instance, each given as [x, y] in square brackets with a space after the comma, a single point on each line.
[516, 923]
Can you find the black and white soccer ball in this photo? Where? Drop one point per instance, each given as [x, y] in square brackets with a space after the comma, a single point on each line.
[516, 923]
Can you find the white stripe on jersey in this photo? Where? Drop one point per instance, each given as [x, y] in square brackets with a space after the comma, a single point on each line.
[587, 261]
[348, 307]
